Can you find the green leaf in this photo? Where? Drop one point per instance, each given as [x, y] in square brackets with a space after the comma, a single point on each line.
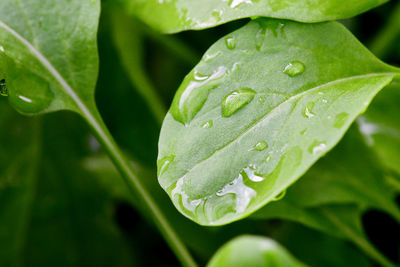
[334, 193]
[48, 54]
[177, 15]
[335, 252]
[309, 81]
[253, 251]
[52, 214]
[380, 126]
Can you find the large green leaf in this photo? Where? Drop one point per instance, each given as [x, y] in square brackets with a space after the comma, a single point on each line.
[261, 107]
[380, 126]
[253, 251]
[48, 54]
[178, 15]
[52, 214]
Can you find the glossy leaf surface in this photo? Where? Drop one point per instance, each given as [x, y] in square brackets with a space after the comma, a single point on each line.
[253, 251]
[178, 15]
[48, 54]
[220, 162]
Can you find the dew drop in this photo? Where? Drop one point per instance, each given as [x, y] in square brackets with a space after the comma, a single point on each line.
[294, 68]
[193, 93]
[230, 43]
[217, 15]
[279, 196]
[340, 120]
[207, 124]
[200, 77]
[242, 193]
[184, 200]
[260, 37]
[164, 163]
[324, 101]
[2, 49]
[236, 100]
[208, 58]
[317, 147]
[3, 88]
[250, 172]
[308, 110]
[235, 3]
[268, 158]
[260, 146]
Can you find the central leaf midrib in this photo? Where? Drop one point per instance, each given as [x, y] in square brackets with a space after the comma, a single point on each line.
[252, 125]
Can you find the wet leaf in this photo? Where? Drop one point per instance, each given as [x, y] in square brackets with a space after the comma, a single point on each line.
[48, 54]
[178, 15]
[213, 174]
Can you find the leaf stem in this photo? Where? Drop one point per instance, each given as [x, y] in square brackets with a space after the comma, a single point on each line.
[136, 187]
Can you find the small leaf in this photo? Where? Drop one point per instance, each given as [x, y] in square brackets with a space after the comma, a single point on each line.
[173, 16]
[49, 59]
[217, 176]
[253, 251]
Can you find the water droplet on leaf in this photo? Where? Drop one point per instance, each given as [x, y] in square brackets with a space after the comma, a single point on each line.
[208, 58]
[217, 15]
[33, 100]
[294, 68]
[250, 173]
[193, 93]
[260, 146]
[317, 147]
[230, 43]
[308, 110]
[207, 124]
[279, 196]
[164, 163]
[242, 193]
[340, 120]
[235, 3]
[236, 100]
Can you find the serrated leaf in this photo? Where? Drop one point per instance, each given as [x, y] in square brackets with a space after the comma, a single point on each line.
[178, 15]
[48, 54]
[310, 83]
[253, 251]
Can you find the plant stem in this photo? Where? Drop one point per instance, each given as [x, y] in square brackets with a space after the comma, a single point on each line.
[137, 188]
[381, 43]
